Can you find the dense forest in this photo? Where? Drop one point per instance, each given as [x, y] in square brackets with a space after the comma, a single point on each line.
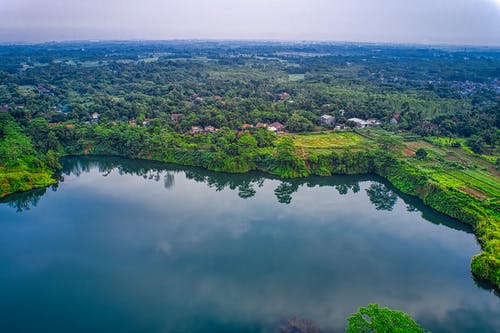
[448, 92]
[427, 119]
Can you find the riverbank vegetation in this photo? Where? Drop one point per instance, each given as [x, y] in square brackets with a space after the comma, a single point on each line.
[207, 104]
[21, 167]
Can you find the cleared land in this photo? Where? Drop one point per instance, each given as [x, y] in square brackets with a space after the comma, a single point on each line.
[325, 140]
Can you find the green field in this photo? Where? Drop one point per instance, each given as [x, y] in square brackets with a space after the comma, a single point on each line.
[325, 140]
[296, 77]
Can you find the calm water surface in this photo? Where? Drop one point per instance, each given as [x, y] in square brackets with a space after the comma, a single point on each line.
[129, 246]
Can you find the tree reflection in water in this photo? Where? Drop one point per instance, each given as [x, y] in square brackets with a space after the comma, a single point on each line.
[284, 192]
[246, 185]
[381, 197]
[25, 200]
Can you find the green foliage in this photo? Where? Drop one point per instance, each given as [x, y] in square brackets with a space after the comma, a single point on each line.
[476, 144]
[264, 137]
[290, 165]
[421, 154]
[298, 123]
[20, 167]
[487, 267]
[374, 319]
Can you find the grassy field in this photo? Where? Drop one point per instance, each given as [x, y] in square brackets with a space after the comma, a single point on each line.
[26, 90]
[454, 167]
[326, 140]
[295, 77]
[460, 169]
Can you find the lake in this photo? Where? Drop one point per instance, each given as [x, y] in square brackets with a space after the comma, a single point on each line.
[133, 246]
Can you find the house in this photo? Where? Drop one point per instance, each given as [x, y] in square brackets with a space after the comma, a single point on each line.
[272, 129]
[359, 122]
[395, 118]
[245, 126]
[148, 120]
[95, 116]
[327, 119]
[175, 116]
[279, 126]
[196, 130]
[284, 95]
[210, 129]
[373, 121]
[258, 125]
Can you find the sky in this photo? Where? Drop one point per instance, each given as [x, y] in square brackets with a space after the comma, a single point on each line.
[470, 22]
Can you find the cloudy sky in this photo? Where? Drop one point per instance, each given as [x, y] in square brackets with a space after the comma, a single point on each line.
[411, 21]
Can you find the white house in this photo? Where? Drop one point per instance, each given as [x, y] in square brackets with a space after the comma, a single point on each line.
[359, 122]
[327, 119]
[273, 129]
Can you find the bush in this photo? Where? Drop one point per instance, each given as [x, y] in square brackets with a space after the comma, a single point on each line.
[421, 154]
[374, 319]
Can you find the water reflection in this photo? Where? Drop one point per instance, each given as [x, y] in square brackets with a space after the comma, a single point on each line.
[26, 200]
[285, 190]
[229, 253]
[381, 194]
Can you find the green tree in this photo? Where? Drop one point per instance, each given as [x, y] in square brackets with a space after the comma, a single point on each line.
[374, 319]
[298, 123]
[421, 154]
[476, 143]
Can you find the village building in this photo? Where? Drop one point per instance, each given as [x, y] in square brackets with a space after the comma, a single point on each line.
[278, 126]
[196, 130]
[148, 120]
[284, 95]
[245, 126]
[359, 122]
[175, 116]
[210, 129]
[395, 118]
[272, 129]
[327, 119]
[373, 121]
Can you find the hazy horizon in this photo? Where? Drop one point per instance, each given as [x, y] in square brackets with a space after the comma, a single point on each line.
[427, 22]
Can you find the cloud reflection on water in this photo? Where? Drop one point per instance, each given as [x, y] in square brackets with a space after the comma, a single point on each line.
[210, 248]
